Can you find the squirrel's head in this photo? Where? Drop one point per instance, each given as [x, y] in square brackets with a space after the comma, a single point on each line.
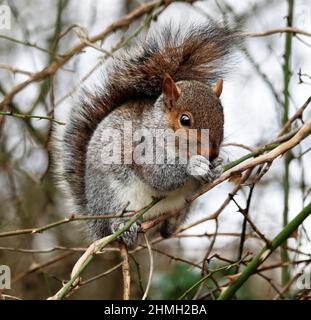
[195, 105]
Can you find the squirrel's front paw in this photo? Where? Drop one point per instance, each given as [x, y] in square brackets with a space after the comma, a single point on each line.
[129, 236]
[203, 170]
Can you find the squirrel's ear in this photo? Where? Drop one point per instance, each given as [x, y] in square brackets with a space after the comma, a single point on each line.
[218, 87]
[171, 91]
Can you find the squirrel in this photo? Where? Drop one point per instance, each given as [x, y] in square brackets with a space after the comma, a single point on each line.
[171, 80]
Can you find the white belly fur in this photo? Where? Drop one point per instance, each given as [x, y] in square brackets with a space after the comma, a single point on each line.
[139, 195]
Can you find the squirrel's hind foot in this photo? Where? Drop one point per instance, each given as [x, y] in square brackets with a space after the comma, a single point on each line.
[167, 229]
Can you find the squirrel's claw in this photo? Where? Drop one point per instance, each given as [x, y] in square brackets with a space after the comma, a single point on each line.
[129, 236]
[218, 167]
[203, 170]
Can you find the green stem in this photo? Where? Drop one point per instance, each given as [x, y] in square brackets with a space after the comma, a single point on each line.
[253, 154]
[287, 159]
[252, 267]
[287, 59]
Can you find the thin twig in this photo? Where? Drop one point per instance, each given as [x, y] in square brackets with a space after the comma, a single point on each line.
[30, 116]
[125, 271]
[71, 218]
[289, 30]
[15, 69]
[150, 268]
[296, 116]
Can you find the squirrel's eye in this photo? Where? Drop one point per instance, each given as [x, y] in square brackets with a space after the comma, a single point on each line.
[185, 120]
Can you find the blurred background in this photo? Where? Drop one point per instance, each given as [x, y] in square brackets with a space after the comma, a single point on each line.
[255, 101]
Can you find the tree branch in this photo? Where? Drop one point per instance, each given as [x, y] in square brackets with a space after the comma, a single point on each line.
[265, 253]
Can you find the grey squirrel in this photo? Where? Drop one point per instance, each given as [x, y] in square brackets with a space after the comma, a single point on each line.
[172, 80]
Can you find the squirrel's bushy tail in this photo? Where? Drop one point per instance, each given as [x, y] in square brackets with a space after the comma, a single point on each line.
[196, 52]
